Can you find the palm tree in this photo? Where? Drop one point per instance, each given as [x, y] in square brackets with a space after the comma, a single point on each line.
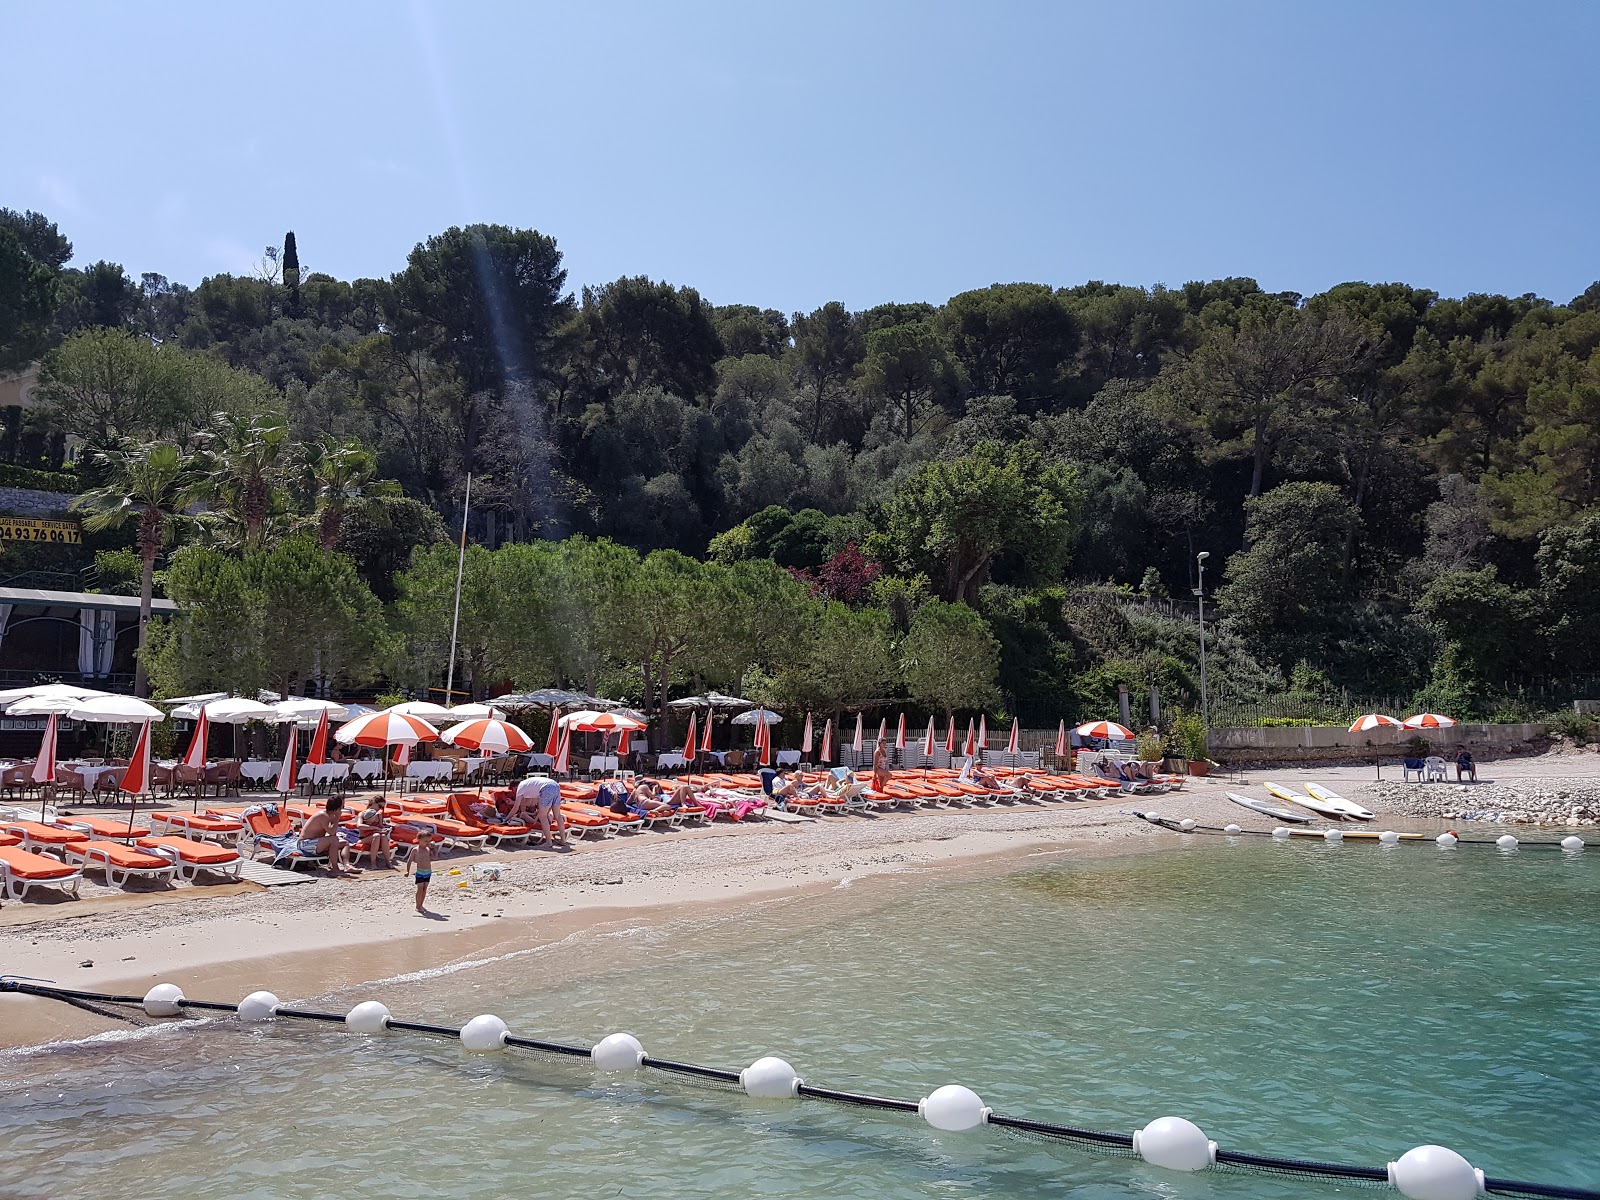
[150, 484]
[335, 477]
[242, 468]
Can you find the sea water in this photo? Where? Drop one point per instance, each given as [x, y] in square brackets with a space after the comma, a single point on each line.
[1334, 1002]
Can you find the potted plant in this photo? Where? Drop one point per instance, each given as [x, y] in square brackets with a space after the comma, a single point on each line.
[1189, 737]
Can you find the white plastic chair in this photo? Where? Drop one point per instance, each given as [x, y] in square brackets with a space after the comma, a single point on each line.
[1435, 767]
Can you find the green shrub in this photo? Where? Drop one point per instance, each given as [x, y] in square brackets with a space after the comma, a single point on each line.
[1149, 748]
[12, 475]
[1288, 723]
[1577, 726]
[1188, 736]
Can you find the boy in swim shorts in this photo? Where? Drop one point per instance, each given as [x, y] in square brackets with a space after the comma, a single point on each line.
[421, 861]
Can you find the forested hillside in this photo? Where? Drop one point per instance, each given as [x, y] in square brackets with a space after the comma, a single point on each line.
[980, 503]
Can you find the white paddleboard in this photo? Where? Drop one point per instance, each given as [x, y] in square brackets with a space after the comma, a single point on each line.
[1349, 808]
[1269, 809]
[1294, 797]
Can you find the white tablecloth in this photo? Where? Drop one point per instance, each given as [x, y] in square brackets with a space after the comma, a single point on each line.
[323, 772]
[603, 762]
[475, 764]
[540, 760]
[260, 770]
[788, 758]
[367, 768]
[91, 775]
[664, 761]
[430, 770]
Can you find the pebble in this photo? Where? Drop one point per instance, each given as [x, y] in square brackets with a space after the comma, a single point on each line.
[1531, 801]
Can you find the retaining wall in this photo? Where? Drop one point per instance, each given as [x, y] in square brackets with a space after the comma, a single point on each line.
[1331, 743]
[29, 502]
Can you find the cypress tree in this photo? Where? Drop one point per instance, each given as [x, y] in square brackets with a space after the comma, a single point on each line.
[291, 271]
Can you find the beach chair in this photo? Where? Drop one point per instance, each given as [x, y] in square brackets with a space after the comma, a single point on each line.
[192, 857]
[1413, 765]
[272, 827]
[458, 808]
[119, 862]
[105, 829]
[202, 826]
[1436, 769]
[22, 870]
[39, 838]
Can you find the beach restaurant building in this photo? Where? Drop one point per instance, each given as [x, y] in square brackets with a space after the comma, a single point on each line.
[76, 637]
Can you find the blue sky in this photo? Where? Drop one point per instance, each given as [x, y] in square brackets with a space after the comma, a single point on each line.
[785, 155]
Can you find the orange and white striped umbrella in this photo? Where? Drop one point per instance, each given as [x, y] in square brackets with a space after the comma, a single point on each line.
[827, 742]
[136, 779]
[983, 731]
[805, 739]
[318, 754]
[1013, 743]
[970, 746]
[563, 757]
[590, 721]
[1104, 729]
[927, 742]
[883, 731]
[386, 729]
[44, 767]
[950, 735]
[1374, 721]
[488, 735]
[1428, 721]
[690, 749]
[860, 739]
[286, 780]
[1061, 741]
[900, 735]
[196, 755]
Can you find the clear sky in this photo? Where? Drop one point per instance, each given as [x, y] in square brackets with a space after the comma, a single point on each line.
[789, 154]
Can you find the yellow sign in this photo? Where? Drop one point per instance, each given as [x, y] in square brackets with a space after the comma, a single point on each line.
[26, 529]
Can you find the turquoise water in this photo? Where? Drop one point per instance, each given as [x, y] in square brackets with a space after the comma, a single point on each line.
[1331, 1002]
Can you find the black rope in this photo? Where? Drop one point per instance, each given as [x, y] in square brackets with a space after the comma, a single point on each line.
[1063, 1131]
[551, 1047]
[663, 1064]
[1121, 1141]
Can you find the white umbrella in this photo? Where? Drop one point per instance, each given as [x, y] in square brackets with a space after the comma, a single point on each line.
[302, 710]
[426, 709]
[710, 700]
[476, 712]
[353, 712]
[230, 710]
[115, 710]
[764, 715]
[49, 691]
[42, 706]
[202, 698]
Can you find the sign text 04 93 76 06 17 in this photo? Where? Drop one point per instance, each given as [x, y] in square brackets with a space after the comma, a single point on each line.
[29, 529]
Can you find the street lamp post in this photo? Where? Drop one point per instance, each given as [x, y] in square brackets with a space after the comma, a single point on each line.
[1200, 595]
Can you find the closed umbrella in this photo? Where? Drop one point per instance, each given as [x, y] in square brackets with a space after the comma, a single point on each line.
[553, 742]
[1013, 743]
[805, 739]
[950, 734]
[689, 747]
[1061, 741]
[900, 733]
[927, 742]
[195, 756]
[705, 737]
[1370, 721]
[286, 780]
[883, 731]
[136, 779]
[319, 742]
[983, 731]
[563, 754]
[44, 767]
[970, 746]
[827, 742]
[859, 738]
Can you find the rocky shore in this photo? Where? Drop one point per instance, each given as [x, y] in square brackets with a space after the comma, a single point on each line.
[1531, 800]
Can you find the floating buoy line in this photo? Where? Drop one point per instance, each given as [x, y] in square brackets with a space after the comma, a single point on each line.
[1174, 1143]
[1570, 844]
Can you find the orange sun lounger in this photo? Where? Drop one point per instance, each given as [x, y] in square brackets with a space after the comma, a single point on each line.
[457, 805]
[201, 826]
[192, 857]
[22, 870]
[264, 828]
[110, 829]
[119, 862]
[47, 839]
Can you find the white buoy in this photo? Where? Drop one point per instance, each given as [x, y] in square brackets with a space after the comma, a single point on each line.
[770, 1079]
[617, 1052]
[1333, 835]
[1152, 816]
[953, 1108]
[1231, 828]
[1447, 839]
[162, 1000]
[1187, 824]
[1282, 831]
[484, 1033]
[1176, 1144]
[1389, 837]
[258, 1006]
[1435, 1173]
[1506, 841]
[1572, 843]
[367, 1017]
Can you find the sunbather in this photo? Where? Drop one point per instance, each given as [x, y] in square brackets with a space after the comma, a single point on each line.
[880, 767]
[373, 825]
[320, 836]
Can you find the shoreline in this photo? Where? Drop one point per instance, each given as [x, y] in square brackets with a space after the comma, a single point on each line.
[328, 935]
[306, 940]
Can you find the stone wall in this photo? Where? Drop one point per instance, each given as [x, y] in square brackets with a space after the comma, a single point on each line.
[28, 502]
[1336, 744]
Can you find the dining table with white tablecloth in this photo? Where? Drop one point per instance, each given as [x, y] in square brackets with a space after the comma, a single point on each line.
[475, 763]
[788, 758]
[320, 773]
[91, 773]
[366, 768]
[665, 762]
[430, 772]
[260, 770]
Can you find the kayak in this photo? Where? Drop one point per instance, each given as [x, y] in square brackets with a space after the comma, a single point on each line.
[1349, 807]
[1268, 809]
[1321, 808]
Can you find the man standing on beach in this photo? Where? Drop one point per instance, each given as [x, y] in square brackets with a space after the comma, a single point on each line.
[539, 796]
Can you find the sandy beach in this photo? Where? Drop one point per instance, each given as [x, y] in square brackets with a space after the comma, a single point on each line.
[306, 939]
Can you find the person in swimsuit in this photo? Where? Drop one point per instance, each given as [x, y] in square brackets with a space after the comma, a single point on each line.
[319, 837]
[880, 767]
[374, 825]
[421, 862]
